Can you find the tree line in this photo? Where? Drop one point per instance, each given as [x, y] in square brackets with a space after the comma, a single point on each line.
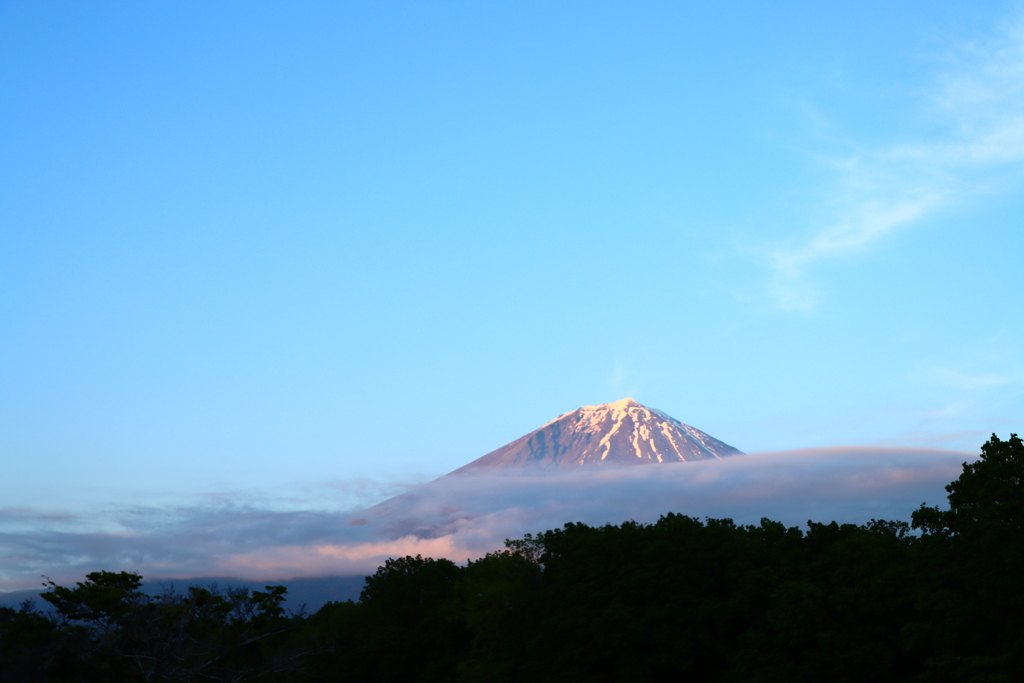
[939, 599]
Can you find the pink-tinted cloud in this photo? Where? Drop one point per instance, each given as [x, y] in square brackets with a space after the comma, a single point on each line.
[461, 517]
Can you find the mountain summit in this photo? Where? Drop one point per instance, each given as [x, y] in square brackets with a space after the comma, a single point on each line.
[621, 433]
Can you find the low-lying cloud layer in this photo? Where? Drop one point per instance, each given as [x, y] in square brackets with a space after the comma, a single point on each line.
[466, 516]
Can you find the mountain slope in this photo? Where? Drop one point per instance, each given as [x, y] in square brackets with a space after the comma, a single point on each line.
[621, 433]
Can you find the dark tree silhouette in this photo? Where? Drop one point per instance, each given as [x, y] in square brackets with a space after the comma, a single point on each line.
[971, 559]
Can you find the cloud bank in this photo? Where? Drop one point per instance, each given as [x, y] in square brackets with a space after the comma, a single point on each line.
[466, 516]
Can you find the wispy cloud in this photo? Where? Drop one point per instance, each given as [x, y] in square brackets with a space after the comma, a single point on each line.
[621, 382]
[985, 365]
[959, 379]
[979, 101]
[918, 437]
[617, 376]
[464, 517]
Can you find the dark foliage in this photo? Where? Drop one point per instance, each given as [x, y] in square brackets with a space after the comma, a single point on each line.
[970, 610]
[107, 629]
[679, 599]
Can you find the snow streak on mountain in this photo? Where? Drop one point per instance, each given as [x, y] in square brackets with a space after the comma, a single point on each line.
[620, 433]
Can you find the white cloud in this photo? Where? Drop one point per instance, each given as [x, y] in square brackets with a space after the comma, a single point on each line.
[980, 101]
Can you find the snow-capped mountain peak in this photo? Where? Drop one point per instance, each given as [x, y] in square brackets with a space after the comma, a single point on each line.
[624, 432]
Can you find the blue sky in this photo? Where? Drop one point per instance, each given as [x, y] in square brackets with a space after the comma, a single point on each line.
[249, 245]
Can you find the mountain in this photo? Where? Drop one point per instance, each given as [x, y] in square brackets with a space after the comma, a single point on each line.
[620, 433]
[583, 441]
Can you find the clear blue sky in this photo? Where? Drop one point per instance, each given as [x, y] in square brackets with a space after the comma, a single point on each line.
[245, 244]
